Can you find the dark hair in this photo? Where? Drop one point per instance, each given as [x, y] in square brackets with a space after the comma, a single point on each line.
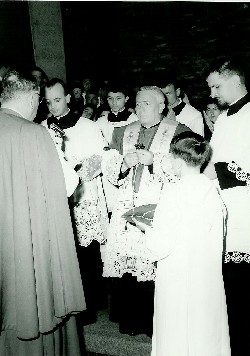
[39, 69]
[169, 80]
[117, 87]
[228, 67]
[211, 101]
[76, 84]
[15, 83]
[192, 148]
[52, 82]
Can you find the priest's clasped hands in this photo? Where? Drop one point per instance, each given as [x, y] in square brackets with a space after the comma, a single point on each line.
[142, 156]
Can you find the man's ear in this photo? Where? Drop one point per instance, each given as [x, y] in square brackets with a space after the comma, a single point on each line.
[178, 92]
[68, 96]
[235, 80]
[161, 107]
[32, 97]
[126, 99]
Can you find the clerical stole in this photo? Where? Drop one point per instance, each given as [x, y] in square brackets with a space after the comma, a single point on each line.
[143, 137]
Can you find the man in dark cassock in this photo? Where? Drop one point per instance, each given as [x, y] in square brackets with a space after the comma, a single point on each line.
[41, 288]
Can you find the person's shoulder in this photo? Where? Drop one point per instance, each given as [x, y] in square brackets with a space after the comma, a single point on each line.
[132, 117]
[132, 124]
[16, 122]
[84, 121]
[29, 134]
[192, 110]
[32, 128]
[10, 125]
[72, 115]
[181, 128]
[102, 119]
[222, 120]
[87, 124]
[44, 123]
[208, 191]
[204, 184]
[168, 121]
[245, 110]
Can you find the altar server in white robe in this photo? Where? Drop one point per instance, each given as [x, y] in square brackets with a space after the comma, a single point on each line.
[186, 238]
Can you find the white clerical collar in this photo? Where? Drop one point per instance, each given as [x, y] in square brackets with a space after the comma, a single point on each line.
[149, 127]
[59, 117]
[117, 112]
[178, 101]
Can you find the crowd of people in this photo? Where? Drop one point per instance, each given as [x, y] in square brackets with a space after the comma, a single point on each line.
[139, 205]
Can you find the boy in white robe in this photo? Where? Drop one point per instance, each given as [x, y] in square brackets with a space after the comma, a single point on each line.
[186, 237]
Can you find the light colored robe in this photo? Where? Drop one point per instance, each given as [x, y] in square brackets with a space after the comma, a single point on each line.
[231, 142]
[84, 145]
[40, 281]
[190, 316]
[192, 118]
[126, 251]
[107, 129]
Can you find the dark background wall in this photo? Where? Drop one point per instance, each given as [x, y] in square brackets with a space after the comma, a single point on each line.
[15, 34]
[143, 40]
[137, 40]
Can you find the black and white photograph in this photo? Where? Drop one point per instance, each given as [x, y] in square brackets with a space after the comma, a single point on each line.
[124, 178]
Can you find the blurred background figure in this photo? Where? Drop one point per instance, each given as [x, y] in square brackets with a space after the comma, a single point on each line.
[184, 112]
[76, 103]
[92, 98]
[86, 86]
[41, 79]
[103, 106]
[40, 76]
[210, 113]
[4, 68]
[89, 112]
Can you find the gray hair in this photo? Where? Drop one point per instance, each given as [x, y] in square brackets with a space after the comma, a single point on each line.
[14, 84]
[156, 91]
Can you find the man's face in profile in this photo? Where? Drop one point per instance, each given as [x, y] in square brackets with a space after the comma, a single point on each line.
[221, 87]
